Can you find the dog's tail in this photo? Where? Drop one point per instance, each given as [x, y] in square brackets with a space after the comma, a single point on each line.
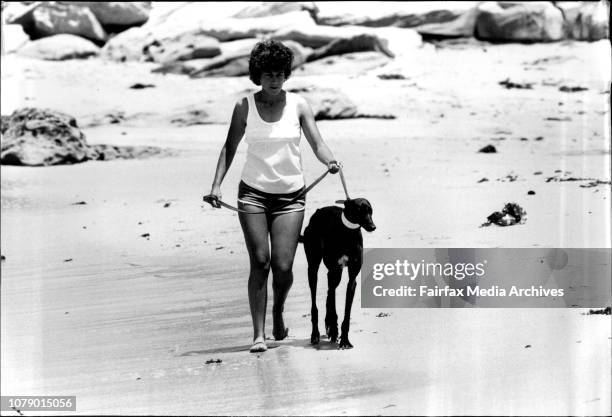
[301, 239]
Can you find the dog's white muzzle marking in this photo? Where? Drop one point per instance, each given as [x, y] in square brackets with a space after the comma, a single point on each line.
[347, 223]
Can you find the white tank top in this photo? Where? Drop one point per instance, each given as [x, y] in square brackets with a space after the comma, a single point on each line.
[273, 161]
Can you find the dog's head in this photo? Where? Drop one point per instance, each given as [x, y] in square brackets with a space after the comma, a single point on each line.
[359, 211]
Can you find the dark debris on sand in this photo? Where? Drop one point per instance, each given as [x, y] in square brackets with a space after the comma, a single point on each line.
[602, 311]
[140, 86]
[568, 89]
[210, 361]
[488, 149]
[509, 84]
[510, 215]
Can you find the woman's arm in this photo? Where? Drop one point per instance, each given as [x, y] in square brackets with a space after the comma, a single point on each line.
[234, 135]
[311, 131]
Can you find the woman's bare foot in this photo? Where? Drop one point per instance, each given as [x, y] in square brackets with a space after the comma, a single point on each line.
[259, 345]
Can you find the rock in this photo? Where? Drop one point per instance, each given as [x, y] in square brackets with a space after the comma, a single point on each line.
[398, 14]
[50, 18]
[355, 63]
[463, 25]
[525, 22]
[191, 117]
[181, 48]
[40, 137]
[126, 46]
[587, 21]
[359, 43]
[59, 48]
[20, 13]
[13, 38]
[228, 29]
[238, 47]
[395, 40]
[488, 149]
[275, 8]
[117, 13]
[328, 103]
[531, 192]
[104, 152]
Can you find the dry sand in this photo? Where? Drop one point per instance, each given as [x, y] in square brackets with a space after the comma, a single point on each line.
[93, 309]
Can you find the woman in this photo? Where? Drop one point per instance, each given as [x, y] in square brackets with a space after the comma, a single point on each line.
[271, 121]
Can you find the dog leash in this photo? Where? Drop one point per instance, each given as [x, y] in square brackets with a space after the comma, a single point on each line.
[209, 198]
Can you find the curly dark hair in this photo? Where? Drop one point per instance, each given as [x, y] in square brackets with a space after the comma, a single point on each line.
[269, 56]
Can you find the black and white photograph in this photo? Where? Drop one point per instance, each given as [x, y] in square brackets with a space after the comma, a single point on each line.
[306, 208]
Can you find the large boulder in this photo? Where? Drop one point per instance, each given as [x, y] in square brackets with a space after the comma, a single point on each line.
[40, 137]
[181, 48]
[264, 9]
[352, 64]
[586, 21]
[359, 43]
[391, 13]
[59, 48]
[117, 13]
[528, 22]
[397, 41]
[50, 18]
[327, 103]
[200, 17]
[463, 26]
[13, 38]
[127, 46]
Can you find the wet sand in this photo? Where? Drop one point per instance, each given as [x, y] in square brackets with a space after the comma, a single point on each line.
[126, 323]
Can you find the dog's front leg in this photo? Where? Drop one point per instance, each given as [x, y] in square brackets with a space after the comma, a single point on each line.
[314, 312]
[331, 318]
[353, 270]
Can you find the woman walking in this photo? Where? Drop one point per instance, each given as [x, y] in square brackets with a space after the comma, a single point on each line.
[271, 120]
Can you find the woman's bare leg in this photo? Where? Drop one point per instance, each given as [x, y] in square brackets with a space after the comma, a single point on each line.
[255, 229]
[284, 233]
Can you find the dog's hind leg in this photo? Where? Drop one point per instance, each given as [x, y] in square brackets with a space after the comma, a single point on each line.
[353, 270]
[331, 318]
[313, 256]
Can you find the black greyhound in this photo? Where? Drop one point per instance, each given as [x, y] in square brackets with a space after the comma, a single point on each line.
[334, 236]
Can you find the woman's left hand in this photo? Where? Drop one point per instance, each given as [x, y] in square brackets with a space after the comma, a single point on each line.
[334, 166]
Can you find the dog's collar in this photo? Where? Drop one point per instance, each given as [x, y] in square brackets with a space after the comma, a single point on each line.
[348, 224]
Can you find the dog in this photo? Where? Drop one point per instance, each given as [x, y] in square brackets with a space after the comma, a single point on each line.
[333, 235]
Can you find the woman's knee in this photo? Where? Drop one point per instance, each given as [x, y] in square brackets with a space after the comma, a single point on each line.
[282, 266]
[260, 260]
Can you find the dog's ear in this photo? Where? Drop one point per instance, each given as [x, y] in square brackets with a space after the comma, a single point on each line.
[340, 201]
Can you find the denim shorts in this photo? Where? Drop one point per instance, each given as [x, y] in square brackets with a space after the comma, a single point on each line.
[270, 202]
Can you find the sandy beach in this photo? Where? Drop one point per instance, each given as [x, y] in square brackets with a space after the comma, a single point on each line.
[122, 300]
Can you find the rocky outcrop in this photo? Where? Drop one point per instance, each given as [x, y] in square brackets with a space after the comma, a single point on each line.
[463, 26]
[117, 13]
[396, 41]
[181, 48]
[528, 22]
[44, 137]
[359, 43]
[327, 103]
[13, 38]
[40, 137]
[51, 18]
[586, 21]
[381, 14]
[275, 8]
[126, 46]
[59, 48]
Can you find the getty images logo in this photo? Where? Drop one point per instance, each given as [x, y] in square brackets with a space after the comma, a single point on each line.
[412, 270]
